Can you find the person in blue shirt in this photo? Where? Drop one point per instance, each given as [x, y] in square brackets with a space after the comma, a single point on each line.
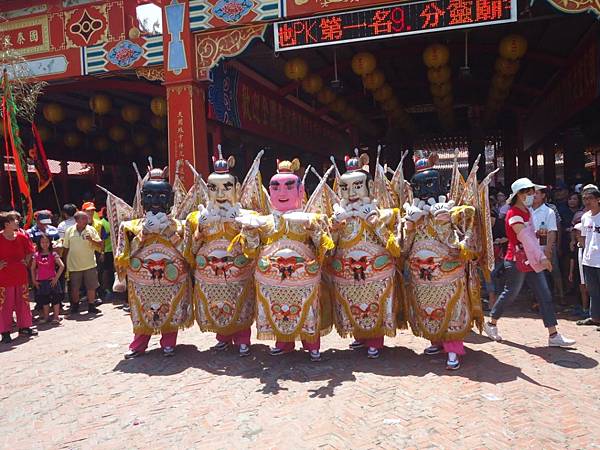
[43, 225]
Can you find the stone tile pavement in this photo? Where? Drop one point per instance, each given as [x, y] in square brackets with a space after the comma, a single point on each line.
[70, 388]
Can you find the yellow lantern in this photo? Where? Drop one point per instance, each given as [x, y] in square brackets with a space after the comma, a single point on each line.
[338, 105]
[296, 69]
[439, 75]
[312, 83]
[158, 106]
[157, 123]
[85, 124]
[501, 82]
[443, 102]
[140, 139]
[383, 93]
[54, 113]
[513, 47]
[440, 90]
[100, 104]
[72, 139]
[374, 80]
[363, 63]
[436, 55]
[390, 105]
[326, 96]
[117, 133]
[101, 144]
[130, 113]
[507, 67]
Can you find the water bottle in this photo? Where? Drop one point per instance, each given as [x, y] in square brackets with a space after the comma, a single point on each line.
[543, 234]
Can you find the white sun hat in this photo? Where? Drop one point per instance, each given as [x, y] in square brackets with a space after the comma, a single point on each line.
[520, 184]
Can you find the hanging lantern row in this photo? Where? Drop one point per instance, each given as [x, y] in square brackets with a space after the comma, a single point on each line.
[364, 64]
[297, 70]
[436, 58]
[511, 49]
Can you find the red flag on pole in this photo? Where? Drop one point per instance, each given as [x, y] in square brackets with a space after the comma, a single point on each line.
[40, 162]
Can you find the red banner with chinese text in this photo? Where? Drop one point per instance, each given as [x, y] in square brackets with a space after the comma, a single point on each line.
[239, 101]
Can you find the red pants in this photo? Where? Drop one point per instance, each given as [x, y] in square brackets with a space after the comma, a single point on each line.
[238, 338]
[140, 341]
[14, 299]
[289, 346]
[457, 347]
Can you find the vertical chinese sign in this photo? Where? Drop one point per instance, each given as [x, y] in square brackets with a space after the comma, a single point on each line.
[186, 131]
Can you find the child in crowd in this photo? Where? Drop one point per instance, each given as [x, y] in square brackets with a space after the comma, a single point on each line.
[48, 290]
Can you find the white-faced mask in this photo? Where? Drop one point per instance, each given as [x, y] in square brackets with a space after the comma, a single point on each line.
[529, 200]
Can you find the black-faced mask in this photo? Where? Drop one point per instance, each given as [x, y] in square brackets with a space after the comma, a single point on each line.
[426, 184]
[157, 196]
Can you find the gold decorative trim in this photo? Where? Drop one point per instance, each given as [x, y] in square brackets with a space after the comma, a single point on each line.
[577, 6]
[213, 46]
[101, 9]
[151, 73]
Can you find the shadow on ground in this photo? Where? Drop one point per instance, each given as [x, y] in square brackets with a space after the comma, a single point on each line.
[339, 366]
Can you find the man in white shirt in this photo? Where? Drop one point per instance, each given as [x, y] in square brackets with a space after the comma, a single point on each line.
[546, 227]
[544, 220]
[69, 210]
[590, 232]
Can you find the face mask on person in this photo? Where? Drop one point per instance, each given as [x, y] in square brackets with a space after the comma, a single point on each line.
[529, 200]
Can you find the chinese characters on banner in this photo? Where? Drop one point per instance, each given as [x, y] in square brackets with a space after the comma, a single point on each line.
[27, 36]
[388, 21]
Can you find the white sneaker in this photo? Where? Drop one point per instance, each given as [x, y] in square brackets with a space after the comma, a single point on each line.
[491, 331]
[558, 340]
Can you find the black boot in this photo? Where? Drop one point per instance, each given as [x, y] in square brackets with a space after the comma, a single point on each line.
[28, 331]
[6, 339]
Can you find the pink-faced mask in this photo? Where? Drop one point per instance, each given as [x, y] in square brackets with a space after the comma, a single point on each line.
[285, 189]
[286, 192]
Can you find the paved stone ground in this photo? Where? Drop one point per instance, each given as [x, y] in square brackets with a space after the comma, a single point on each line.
[70, 388]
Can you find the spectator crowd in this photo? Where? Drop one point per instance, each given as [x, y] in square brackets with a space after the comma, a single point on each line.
[53, 263]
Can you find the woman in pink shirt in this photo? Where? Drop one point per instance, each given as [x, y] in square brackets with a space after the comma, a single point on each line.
[15, 251]
[48, 290]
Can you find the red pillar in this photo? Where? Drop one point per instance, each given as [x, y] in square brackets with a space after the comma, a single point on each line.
[187, 127]
[186, 97]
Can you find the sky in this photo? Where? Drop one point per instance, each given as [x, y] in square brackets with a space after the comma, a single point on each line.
[150, 12]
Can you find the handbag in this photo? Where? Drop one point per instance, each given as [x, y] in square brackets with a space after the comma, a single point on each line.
[521, 260]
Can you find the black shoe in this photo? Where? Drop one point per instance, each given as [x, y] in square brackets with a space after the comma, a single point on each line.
[97, 302]
[130, 354]
[93, 310]
[28, 331]
[356, 345]
[74, 308]
[6, 339]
